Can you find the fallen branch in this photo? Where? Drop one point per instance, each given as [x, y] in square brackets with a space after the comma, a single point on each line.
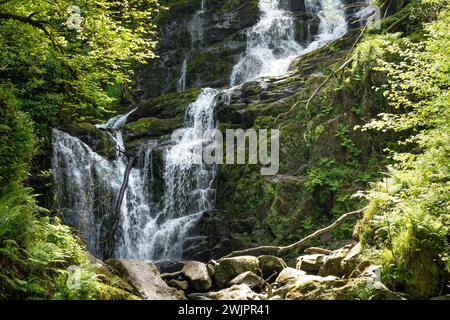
[278, 250]
[118, 206]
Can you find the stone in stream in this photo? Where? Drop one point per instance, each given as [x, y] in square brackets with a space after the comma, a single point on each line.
[197, 274]
[145, 279]
[341, 289]
[227, 269]
[289, 278]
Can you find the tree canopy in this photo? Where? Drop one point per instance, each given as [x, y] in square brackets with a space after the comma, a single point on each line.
[73, 56]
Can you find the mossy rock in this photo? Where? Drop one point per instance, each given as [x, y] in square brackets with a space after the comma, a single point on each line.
[353, 289]
[171, 105]
[98, 140]
[107, 292]
[229, 268]
[211, 68]
[152, 127]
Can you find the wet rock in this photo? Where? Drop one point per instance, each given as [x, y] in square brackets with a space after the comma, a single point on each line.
[145, 279]
[209, 60]
[197, 274]
[311, 263]
[228, 268]
[98, 140]
[271, 266]
[168, 106]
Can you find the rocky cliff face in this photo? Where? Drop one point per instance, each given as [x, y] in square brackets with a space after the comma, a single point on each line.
[208, 41]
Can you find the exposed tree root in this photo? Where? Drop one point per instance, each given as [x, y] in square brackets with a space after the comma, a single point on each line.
[278, 250]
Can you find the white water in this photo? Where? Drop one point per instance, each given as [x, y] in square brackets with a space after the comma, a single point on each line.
[332, 22]
[195, 28]
[87, 184]
[271, 44]
[181, 85]
[188, 183]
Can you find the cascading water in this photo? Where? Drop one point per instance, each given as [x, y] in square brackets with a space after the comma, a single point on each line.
[271, 44]
[87, 185]
[188, 182]
[332, 21]
[181, 85]
[195, 28]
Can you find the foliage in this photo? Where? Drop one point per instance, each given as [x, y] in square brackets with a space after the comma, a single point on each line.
[16, 138]
[59, 66]
[409, 217]
[35, 250]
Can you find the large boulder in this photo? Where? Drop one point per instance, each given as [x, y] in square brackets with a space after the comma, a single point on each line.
[289, 275]
[145, 279]
[332, 265]
[197, 274]
[236, 292]
[289, 278]
[311, 263]
[248, 278]
[351, 260]
[271, 266]
[227, 269]
[338, 289]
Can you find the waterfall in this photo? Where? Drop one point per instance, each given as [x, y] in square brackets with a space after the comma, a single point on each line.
[195, 28]
[332, 21]
[181, 85]
[188, 182]
[87, 185]
[271, 45]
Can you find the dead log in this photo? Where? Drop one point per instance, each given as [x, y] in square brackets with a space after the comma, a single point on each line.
[116, 213]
